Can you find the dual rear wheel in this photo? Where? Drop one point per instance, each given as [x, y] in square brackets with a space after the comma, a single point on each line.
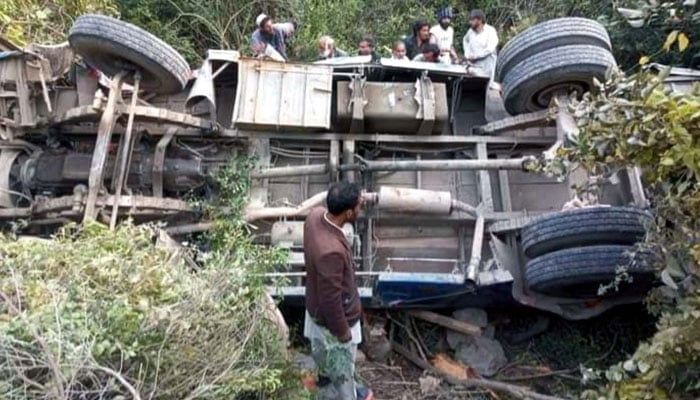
[578, 253]
[559, 56]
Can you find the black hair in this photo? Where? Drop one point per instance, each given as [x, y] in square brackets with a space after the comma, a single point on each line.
[342, 196]
[418, 25]
[369, 40]
[430, 48]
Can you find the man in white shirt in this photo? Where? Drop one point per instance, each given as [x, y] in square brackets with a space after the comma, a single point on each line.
[480, 43]
[444, 35]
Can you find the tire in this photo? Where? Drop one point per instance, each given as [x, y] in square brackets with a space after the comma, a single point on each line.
[108, 44]
[580, 272]
[548, 35]
[584, 227]
[530, 85]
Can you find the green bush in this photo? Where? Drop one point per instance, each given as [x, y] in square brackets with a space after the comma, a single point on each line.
[115, 312]
[636, 121]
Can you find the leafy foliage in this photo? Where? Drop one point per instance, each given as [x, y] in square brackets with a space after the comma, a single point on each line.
[637, 28]
[636, 121]
[666, 32]
[43, 21]
[114, 312]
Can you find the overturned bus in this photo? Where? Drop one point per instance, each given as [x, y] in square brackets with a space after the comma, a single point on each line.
[455, 217]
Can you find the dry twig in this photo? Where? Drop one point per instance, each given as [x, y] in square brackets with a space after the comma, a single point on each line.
[514, 390]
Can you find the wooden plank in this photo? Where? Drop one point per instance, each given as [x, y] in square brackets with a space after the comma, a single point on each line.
[447, 322]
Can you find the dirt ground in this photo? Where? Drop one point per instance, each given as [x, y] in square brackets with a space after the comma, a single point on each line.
[548, 362]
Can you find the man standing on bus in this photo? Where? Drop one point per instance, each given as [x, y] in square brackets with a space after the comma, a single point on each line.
[480, 43]
[444, 35]
[270, 39]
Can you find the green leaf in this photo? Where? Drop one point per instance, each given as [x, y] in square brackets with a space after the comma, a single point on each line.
[683, 42]
[667, 161]
[670, 39]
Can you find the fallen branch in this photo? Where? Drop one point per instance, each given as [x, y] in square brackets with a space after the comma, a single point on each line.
[116, 375]
[538, 376]
[447, 322]
[519, 392]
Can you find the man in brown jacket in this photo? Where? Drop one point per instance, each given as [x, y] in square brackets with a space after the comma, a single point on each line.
[333, 307]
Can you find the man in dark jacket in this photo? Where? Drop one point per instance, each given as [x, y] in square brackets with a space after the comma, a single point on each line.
[333, 308]
[421, 35]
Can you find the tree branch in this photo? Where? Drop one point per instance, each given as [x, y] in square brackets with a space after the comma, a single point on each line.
[519, 392]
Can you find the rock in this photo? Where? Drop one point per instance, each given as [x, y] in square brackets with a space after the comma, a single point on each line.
[455, 339]
[485, 355]
[376, 345]
[474, 316]
[429, 384]
[489, 332]
[304, 362]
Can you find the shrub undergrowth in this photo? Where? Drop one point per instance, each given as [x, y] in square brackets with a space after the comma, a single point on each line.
[94, 313]
[637, 121]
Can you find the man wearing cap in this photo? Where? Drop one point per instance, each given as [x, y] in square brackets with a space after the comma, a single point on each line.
[444, 35]
[480, 42]
[269, 38]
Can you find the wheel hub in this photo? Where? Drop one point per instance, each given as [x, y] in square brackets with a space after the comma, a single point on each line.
[543, 98]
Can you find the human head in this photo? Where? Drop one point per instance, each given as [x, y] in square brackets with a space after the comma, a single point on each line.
[326, 46]
[444, 17]
[399, 50]
[366, 46]
[477, 19]
[430, 52]
[421, 30]
[344, 201]
[265, 23]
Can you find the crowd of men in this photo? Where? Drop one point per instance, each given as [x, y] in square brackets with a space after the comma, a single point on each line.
[426, 43]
